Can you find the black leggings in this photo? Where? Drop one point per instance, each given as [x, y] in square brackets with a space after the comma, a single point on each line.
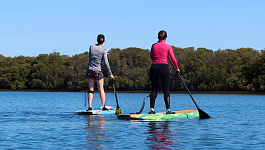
[160, 71]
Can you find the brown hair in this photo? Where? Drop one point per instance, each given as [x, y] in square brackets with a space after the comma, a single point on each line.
[162, 35]
[101, 39]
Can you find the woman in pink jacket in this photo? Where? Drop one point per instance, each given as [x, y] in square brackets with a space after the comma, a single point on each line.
[160, 70]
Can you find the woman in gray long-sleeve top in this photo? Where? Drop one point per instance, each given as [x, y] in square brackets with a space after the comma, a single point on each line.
[97, 54]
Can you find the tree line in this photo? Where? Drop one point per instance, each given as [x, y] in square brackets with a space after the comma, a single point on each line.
[202, 70]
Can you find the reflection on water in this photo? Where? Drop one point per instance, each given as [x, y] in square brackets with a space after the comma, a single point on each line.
[46, 120]
[96, 130]
[160, 135]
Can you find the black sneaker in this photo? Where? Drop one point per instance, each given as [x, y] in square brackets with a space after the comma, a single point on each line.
[152, 112]
[170, 112]
[104, 109]
[89, 108]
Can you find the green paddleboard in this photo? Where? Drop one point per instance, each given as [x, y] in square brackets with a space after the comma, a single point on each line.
[183, 114]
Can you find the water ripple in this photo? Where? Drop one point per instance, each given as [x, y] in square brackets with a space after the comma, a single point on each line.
[46, 120]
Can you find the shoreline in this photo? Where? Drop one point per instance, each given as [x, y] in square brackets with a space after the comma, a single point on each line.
[171, 92]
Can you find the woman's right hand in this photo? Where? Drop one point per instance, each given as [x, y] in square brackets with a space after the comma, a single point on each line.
[177, 71]
[111, 76]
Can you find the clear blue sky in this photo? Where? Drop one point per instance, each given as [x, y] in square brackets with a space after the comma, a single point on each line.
[33, 27]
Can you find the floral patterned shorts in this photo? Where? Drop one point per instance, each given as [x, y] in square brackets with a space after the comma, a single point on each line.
[96, 75]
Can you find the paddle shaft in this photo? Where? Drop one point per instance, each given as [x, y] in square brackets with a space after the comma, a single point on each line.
[185, 85]
[114, 90]
[115, 94]
[203, 115]
[188, 91]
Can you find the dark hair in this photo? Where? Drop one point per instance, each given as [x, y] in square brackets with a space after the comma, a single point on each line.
[101, 39]
[162, 35]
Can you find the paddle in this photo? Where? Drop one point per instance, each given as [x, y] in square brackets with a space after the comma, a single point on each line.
[118, 110]
[203, 115]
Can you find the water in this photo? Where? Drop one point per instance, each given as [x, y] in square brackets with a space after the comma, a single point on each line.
[46, 120]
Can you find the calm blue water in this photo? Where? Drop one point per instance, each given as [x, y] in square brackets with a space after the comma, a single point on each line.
[46, 120]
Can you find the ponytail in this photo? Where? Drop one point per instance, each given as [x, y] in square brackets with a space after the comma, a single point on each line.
[162, 35]
[101, 39]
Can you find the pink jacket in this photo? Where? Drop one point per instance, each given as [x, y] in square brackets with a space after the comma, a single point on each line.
[159, 53]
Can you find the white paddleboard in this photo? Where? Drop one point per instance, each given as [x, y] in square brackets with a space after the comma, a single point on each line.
[97, 111]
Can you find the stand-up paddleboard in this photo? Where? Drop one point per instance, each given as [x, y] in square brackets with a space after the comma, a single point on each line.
[97, 111]
[183, 114]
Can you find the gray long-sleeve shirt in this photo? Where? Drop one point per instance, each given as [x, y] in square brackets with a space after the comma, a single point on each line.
[96, 55]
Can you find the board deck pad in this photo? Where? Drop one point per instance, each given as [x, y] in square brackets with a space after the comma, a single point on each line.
[183, 114]
[97, 111]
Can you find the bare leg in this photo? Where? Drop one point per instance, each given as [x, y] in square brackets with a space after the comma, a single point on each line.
[101, 91]
[91, 83]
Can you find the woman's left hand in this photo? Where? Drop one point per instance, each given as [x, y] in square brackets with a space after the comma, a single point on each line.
[111, 76]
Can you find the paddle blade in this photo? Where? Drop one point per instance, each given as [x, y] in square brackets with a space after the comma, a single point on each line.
[203, 115]
[118, 111]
